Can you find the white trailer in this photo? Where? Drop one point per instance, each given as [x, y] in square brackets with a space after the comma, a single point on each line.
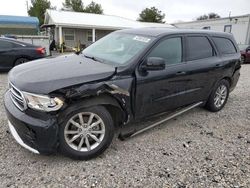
[239, 26]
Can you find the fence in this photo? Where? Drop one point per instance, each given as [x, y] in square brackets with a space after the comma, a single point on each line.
[43, 41]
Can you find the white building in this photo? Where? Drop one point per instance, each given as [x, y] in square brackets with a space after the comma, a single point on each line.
[73, 28]
[239, 26]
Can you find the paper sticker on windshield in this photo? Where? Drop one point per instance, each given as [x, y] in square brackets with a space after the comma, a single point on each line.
[142, 39]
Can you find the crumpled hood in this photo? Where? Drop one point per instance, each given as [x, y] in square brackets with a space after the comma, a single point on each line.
[46, 75]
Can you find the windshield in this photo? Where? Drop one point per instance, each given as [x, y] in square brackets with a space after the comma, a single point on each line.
[117, 48]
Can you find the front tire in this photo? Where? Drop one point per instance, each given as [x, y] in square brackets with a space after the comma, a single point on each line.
[218, 97]
[86, 133]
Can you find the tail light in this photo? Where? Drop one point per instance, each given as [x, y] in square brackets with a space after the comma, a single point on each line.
[41, 51]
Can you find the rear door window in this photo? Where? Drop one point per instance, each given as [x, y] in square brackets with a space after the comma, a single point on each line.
[198, 47]
[224, 45]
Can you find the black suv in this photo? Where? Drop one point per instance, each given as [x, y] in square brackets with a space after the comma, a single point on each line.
[74, 102]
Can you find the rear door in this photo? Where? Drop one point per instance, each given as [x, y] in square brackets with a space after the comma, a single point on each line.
[203, 67]
[6, 54]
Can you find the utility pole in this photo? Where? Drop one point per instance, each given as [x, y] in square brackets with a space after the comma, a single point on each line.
[230, 16]
[27, 6]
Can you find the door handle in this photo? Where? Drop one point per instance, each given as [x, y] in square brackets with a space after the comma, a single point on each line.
[180, 73]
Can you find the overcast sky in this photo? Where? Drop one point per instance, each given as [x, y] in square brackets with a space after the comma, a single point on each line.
[175, 10]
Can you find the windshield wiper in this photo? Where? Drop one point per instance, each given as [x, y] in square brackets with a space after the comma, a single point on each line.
[93, 58]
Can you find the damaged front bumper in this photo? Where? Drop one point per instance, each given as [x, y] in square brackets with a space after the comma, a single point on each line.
[19, 140]
[35, 132]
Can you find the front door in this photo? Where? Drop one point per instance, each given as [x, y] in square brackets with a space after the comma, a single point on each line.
[162, 90]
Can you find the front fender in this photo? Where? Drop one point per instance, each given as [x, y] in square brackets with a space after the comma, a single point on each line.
[89, 102]
[115, 92]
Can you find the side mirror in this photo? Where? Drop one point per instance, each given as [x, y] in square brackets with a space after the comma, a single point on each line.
[153, 64]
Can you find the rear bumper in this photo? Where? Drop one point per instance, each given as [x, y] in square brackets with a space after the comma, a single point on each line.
[37, 133]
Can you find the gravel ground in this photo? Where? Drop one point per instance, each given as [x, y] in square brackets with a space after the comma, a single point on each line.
[197, 149]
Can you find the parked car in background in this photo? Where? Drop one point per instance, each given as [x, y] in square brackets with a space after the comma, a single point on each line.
[245, 53]
[73, 103]
[13, 52]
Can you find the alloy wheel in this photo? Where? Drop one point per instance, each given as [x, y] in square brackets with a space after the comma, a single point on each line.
[84, 131]
[21, 61]
[220, 96]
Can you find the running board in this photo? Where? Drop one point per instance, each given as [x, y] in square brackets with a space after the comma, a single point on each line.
[170, 116]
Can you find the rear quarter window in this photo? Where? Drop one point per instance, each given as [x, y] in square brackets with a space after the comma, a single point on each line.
[224, 45]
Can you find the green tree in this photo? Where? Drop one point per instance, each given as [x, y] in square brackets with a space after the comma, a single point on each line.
[38, 9]
[202, 17]
[211, 15]
[151, 15]
[78, 6]
[74, 5]
[94, 8]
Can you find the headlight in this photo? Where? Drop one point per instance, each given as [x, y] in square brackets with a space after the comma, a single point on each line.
[43, 102]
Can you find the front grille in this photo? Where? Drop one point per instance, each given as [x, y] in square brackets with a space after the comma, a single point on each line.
[17, 97]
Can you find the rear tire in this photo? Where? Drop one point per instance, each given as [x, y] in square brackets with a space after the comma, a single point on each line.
[91, 130]
[218, 97]
[20, 61]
